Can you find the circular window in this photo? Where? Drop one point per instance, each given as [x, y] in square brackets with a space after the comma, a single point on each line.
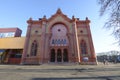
[81, 31]
[59, 30]
[36, 31]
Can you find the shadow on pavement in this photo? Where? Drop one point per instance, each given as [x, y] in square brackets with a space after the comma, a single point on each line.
[82, 78]
[60, 70]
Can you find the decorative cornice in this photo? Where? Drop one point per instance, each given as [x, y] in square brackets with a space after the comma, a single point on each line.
[58, 13]
[30, 21]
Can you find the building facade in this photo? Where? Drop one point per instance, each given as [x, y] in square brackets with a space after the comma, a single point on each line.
[10, 32]
[11, 45]
[58, 39]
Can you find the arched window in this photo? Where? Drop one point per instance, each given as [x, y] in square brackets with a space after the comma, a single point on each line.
[64, 42]
[52, 57]
[34, 48]
[59, 41]
[83, 47]
[65, 55]
[59, 55]
[53, 42]
[59, 34]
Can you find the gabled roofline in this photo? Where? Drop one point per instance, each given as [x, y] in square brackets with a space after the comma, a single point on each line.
[59, 12]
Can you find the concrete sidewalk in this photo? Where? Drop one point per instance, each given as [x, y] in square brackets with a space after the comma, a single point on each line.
[60, 72]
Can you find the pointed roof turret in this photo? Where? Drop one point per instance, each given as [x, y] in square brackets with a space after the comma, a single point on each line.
[59, 11]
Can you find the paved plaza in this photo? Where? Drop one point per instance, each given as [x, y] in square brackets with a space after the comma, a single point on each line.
[60, 72]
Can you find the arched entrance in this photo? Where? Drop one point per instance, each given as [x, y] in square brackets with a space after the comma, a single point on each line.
[52, 56]
[59, 55]
[59, 42]
[65, 55]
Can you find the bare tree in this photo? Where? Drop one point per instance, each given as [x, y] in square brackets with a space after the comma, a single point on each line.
[113, 8]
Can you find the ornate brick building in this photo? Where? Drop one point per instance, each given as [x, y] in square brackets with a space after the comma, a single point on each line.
[58, 39]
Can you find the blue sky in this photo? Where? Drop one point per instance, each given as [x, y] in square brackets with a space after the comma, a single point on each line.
[15, 13]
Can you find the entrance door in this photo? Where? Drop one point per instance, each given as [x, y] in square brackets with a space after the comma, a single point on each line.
[59, 55]
[52, 57]
[65, 55]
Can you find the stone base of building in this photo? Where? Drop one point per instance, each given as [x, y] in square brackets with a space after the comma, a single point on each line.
[30, 61]
[65, 63]
[37, 61]
[88, 63]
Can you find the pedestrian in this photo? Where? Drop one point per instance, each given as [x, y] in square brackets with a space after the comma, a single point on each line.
[104, 61]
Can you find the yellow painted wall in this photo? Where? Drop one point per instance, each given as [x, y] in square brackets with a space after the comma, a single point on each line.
[12, 43]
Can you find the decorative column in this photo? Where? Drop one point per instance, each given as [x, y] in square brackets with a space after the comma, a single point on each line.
[75, 38]
[43, 38]
[93, 56]
[47, 51]
[71, 54]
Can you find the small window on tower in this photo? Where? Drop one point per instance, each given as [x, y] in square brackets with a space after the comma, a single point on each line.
[36, 31]
[53, 42]
[59, 30]
[81, 31]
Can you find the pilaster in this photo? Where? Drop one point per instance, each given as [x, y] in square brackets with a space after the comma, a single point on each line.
[75, 38]
[43, 39]
[26, 44]
[93, 56]
[47, 46]
[71, 48]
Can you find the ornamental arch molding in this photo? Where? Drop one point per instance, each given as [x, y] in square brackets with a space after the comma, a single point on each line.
[60, 22]
[59, 35]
